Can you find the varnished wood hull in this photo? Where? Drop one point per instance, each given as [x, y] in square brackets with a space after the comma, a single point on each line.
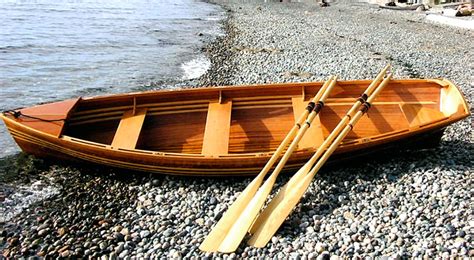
[228, 130]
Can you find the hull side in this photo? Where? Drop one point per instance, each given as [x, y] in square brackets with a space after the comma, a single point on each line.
[46, 146]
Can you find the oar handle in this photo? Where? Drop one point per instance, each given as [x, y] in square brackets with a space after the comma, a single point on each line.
[326, 94]
[316, 107]
[363, 97]
[380, 88]
[317, 104]
[322, 89]
[376, 81]
[312, 104]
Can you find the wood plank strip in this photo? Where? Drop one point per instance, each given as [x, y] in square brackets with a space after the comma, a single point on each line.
[314, 135]
[129, 129]
[216, 133]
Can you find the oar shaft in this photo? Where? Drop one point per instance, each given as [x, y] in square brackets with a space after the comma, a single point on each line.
[349, 114]
[322, 148]
[282, 205]
[302, 131]
[218, 233]
[303, 171]
[349, 127]
[242, 224]
[294, 130]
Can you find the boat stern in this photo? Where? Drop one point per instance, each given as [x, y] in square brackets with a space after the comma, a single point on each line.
[452, 101]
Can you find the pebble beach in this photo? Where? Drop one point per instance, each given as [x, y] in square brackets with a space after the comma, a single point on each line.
[410, 203]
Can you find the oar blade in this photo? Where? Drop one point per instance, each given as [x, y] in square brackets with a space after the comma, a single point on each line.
[212, 241]
[239, 229]
[264, 215]
[290, 196]
[235, 223]
[218, 233]
[247, 217]
[276, 217]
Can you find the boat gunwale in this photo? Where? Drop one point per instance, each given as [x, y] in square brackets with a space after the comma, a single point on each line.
[443, 122]
[242, 171]
[252, 86]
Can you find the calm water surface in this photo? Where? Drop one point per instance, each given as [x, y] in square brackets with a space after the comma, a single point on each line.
[53, 50]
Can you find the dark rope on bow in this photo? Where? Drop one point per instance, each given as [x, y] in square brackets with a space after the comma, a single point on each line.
[17, 114]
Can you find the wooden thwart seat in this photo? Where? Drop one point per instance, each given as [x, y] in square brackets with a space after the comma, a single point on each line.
[216, 133]
[129, 129]
[314, 135]
[419, 115]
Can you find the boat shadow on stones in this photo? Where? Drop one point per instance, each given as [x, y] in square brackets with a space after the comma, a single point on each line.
[332, 190]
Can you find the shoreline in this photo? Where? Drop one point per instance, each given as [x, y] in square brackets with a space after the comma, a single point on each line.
[411, 205]
[219, 53]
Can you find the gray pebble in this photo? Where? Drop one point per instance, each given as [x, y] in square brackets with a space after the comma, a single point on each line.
[411, 204]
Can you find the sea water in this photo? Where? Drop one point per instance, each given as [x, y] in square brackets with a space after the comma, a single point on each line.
[56, 49]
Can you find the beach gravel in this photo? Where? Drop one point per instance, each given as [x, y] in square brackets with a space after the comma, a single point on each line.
[413, 203]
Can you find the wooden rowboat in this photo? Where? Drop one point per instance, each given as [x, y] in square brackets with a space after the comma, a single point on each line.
[228, 130]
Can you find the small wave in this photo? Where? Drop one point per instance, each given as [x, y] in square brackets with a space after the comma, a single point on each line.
[13, 200]
[196, 68]
[12, 47]
[213, 18]
[214, 32]
[92, 91]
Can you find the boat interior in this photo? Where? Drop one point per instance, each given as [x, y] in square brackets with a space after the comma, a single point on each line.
[253, 119]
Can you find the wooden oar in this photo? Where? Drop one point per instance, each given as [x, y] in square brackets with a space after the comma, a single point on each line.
[212, 241]
[273, 220]
[247, 216]
[307, 167]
